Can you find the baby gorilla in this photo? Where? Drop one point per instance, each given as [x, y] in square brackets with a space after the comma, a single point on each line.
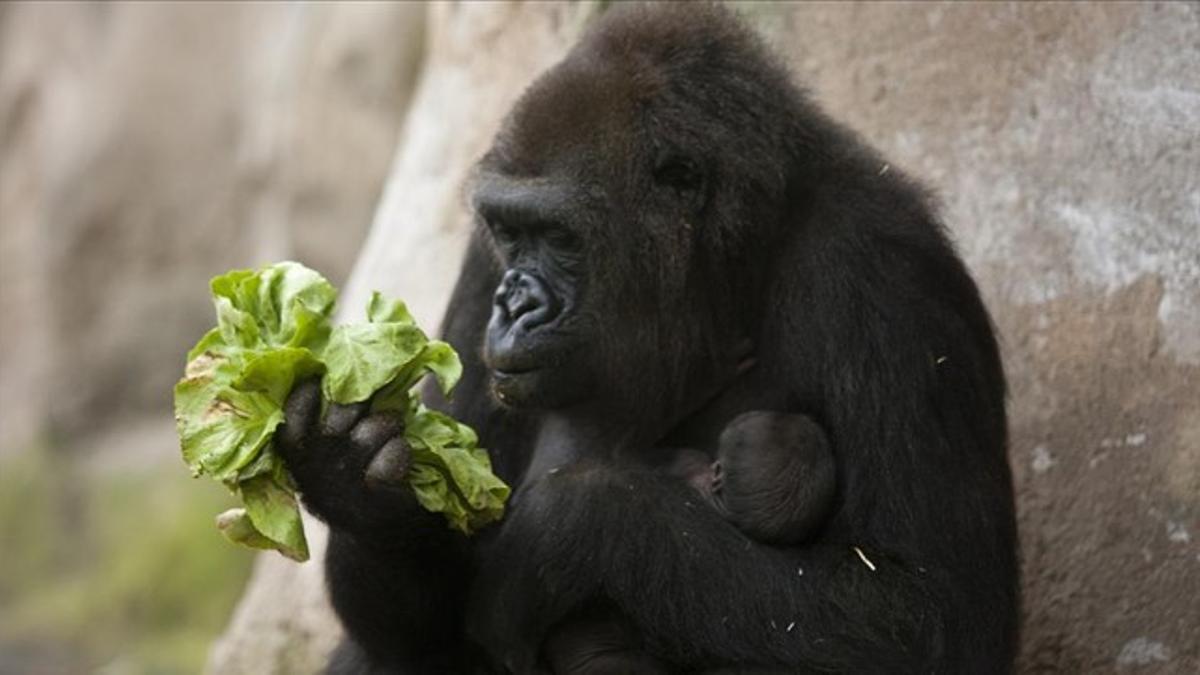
[774, 476]
[774, 479]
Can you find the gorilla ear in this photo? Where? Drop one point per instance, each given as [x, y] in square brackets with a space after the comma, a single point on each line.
[685, 178]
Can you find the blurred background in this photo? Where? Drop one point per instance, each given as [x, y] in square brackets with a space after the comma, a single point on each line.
[145, 148]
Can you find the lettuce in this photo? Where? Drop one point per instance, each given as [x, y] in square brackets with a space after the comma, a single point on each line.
[274, 330]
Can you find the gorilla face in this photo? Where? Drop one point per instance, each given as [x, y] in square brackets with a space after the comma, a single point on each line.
[554, 339]
[536, 339]
[620, 208]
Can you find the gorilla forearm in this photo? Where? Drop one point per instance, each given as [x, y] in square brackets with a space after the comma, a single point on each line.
[396, 573]
[402, 603]
[573, 534]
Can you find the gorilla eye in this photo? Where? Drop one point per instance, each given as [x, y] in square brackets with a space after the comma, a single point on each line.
[681, 175]
[562, 238]
[502, 233]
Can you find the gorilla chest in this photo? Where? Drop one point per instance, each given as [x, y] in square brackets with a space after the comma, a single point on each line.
[752, 391]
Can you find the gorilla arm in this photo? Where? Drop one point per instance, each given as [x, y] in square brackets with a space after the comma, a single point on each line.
[397, 576]
[700, 592]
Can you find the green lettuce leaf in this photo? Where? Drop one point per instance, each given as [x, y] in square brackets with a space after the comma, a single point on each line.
[274, 330]
[382, 310]
[455, 477]
[274, 513]
[363, 357]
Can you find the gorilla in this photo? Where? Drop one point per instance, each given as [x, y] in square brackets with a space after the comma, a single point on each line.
[659, 210]
[773, 476]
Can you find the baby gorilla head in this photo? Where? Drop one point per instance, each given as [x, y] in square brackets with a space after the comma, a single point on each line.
[774, 477]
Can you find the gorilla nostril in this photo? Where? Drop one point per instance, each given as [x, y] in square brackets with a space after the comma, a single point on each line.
[521, 301]
[522, 294]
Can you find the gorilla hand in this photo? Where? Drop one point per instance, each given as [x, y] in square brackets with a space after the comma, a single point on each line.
[350, 466]
[396, 574]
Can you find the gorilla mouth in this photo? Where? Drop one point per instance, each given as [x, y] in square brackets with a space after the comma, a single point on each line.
[517, 386]
[515, 371]
[515, 358]
[535, 370]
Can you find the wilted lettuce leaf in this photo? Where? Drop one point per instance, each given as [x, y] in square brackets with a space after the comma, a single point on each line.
[273, 330]
[235, 524]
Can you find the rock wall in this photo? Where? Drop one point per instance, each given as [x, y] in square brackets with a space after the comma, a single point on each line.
[145, 148]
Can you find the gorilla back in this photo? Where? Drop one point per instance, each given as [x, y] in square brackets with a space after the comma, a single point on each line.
[660, 195]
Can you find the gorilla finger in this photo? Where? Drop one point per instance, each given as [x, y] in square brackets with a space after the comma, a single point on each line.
[339, 419]
[377, 429]
[300, 411]
[389, 468]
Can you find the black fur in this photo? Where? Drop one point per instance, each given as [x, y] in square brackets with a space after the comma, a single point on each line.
[703, 199]
[774, 477]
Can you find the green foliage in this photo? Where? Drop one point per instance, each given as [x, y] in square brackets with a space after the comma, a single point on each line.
[273, 330]
[101, 567]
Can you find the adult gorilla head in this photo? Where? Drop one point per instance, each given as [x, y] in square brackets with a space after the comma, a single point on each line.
[624, 195]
